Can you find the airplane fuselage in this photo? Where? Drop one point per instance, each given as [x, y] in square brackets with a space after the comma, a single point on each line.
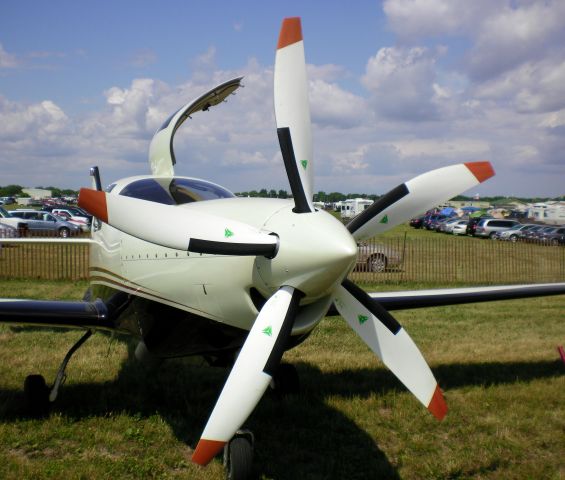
[182, 291]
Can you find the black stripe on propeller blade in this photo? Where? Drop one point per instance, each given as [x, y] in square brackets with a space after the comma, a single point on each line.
[375, 308]
[380, 205]
[226, 248]
[300, 201]
[281, 342]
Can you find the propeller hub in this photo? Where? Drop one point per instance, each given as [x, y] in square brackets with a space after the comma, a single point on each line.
[316, 252]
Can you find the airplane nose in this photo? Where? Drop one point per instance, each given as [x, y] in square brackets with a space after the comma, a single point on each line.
[316, 252]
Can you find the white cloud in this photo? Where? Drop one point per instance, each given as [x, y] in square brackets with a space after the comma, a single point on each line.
[514, 35]
[27, 121]
[439, 148]
[331, 105]
[415, 19]
[401, 81]
[534, 86]
[328, 72]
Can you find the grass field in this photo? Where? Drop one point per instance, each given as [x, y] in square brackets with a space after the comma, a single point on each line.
[497, 363]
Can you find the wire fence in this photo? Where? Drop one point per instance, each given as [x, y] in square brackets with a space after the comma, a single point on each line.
[44, 261]
[435, 258]
[441, 258]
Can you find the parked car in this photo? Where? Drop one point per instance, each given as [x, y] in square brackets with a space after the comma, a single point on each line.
[74, 215]
[7, 219]
[487, 227]
[431, 220]
[417, 222]
[44, 222]
[556, 238]
[376, 257]
[7, 200]
[460, 228]
[8, 231]
[535, 234]
[515, 233]
[437, 224]
[472, 224]
[543, 234]
[447, 225]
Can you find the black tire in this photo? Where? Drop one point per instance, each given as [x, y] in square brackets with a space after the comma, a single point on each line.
[36, 394]
[377, 263]
[491, 236]
[513, 238]
[239, 459]
[286, 380]
[64, 232]
[554, 242]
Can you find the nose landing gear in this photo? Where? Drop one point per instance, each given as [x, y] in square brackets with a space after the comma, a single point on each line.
[38, 396]
[238, 456]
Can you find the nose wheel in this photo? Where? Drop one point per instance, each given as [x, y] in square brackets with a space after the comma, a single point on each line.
[238, 456]
[36, 395]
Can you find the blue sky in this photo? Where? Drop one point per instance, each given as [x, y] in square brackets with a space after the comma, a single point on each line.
[396, 88]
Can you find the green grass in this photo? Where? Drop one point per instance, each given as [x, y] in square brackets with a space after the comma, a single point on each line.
[496, 362]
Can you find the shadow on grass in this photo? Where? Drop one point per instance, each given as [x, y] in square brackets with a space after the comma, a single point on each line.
[298, 437]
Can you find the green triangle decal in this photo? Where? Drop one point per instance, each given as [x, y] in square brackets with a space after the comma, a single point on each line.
[362, 319]
[384, 219]
[268, 331]
[304, 163]
[228, 233]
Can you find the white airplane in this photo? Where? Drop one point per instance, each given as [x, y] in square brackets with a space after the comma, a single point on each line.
[189, 269]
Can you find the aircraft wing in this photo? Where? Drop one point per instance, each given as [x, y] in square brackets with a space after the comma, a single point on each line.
[54, 313]
[45, 313]
[408, 299]
[69, 314]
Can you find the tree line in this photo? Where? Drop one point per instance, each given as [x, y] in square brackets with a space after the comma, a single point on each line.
[321, 196]
[16, 191]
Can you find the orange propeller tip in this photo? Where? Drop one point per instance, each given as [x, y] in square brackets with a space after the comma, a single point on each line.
[206, 450]
[437, 405]
[482, 170]
[291, 32]
[94, 202]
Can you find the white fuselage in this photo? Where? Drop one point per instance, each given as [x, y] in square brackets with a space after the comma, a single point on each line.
[315, 254]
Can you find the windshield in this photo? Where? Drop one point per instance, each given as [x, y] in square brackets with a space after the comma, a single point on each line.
[176, 191]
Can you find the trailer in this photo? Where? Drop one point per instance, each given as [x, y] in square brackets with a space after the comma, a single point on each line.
[354, 206]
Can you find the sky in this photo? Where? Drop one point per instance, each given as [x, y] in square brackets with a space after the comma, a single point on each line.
[396, 88]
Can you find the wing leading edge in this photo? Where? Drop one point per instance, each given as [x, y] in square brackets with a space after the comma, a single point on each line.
[405, 300]
[92, 315]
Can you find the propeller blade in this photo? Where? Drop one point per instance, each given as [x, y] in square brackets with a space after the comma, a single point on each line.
[390, 342]
[418, 195]
[178, 227]
[292, 112]
[251, 373]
